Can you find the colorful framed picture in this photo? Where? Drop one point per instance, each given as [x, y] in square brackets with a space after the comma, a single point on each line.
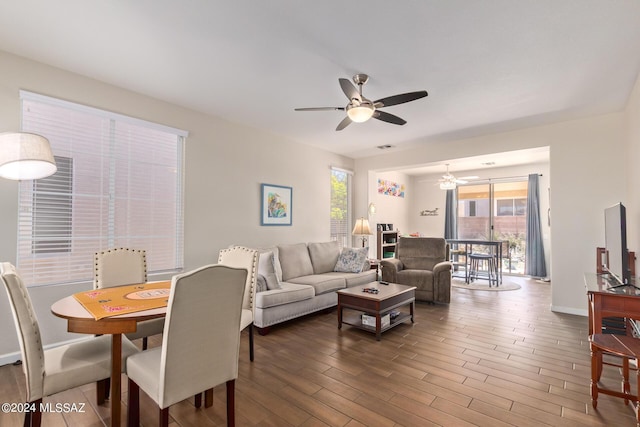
[276, 205]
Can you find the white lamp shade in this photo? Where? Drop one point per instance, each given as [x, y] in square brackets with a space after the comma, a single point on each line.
[25, 156]
[448, 185]
[360, 113]
[361, 228]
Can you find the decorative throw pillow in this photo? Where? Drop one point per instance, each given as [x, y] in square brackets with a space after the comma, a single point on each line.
[267, 269]
[351, 260]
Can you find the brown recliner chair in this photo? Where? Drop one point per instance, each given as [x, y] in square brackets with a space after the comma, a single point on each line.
[422, 262]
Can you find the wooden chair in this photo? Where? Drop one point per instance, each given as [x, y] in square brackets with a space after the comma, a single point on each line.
[123, 266]
[200, 343]
[241, 257]
[61, 368]
[625, 347]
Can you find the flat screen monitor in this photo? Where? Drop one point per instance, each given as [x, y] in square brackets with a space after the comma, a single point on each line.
[615, 234]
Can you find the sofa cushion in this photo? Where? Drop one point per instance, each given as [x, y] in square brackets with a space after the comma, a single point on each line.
[356, 279]
[276, 260]
[266, 268]
[351, 260]
[295, 261]
[324, 256]
[422, 279]
[322, 283]
[288, 293]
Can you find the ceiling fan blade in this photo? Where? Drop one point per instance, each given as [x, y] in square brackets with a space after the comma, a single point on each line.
[349, 89]
[344, 123]
[399, 99]
[389, 118]
[320, 109]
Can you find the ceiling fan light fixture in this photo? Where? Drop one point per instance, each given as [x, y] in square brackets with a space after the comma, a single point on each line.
[360, 113]
[448, 185]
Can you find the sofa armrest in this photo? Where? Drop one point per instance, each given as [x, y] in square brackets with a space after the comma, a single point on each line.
[442, 266]
[261, 284]
[390, 268]
[442, 281]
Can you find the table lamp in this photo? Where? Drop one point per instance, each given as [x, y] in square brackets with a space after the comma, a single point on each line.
[362, 229]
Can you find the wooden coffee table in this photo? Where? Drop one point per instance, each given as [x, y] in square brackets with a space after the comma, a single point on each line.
[390, 297]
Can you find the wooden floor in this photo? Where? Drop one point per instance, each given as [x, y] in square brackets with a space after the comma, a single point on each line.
[487, 359]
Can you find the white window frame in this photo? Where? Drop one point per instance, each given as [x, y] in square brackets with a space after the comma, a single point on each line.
[120, 212]
[346, 240]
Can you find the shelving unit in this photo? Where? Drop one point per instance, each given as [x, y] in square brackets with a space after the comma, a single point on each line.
[387, 241]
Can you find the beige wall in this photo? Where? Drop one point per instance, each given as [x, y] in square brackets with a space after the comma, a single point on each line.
[225, 165]
[389, 209]
[587, 173]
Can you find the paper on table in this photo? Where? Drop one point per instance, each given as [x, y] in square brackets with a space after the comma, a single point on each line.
[107, 302]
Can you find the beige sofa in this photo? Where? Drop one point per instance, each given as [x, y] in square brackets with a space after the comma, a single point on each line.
[307, 282]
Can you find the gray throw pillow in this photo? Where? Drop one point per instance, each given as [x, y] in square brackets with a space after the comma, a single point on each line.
[351, 260]
[266, 268]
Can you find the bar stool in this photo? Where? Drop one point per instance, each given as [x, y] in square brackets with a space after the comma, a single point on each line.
[623, 346]
[477, 263]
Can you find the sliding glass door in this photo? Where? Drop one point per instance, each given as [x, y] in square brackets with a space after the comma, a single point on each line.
[496, 211]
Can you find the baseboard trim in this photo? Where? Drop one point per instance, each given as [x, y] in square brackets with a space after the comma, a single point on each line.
[569, 310]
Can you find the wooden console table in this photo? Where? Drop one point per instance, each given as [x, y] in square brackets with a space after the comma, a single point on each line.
[608, 301]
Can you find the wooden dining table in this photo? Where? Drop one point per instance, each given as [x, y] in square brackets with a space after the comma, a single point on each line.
[80, 320]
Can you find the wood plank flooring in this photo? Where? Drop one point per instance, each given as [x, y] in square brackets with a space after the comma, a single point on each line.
[487, 359]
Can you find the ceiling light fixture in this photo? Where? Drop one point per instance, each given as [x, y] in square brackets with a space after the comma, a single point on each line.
[448, 185]
[360, 112]
[25, 156]
[448, 181]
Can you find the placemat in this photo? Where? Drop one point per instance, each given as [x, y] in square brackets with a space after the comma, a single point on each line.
[106, 302]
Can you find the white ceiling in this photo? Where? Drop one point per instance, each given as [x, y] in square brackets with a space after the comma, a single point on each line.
[481, 165]
[489, 66]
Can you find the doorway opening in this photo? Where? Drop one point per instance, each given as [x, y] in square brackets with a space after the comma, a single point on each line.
[496, 211]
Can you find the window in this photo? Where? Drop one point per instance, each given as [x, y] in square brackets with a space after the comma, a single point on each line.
[119, 184]
[511, 207]
[52, 207]
[341, 206]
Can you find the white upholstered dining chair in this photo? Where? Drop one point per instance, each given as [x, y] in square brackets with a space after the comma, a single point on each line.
[61, 368]
[124, 266]
[241, 257]
[200, 343]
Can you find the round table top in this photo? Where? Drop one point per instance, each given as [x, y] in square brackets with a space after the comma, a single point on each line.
[70, 308]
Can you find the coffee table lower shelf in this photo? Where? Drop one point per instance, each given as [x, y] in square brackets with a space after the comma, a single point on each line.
[356, 321]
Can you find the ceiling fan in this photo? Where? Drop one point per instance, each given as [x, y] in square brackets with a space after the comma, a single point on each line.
[360, 109]
[449, 182]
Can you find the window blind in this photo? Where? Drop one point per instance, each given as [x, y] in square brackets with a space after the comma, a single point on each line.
[119, 184]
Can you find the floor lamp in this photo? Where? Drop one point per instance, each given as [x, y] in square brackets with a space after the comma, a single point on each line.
[362, 229]
[25, 156]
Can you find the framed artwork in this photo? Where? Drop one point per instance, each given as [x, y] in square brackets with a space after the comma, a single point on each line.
[390, 188]
[276, 207]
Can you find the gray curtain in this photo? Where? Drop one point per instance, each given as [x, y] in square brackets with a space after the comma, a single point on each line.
[534, 254]
[450, 217]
